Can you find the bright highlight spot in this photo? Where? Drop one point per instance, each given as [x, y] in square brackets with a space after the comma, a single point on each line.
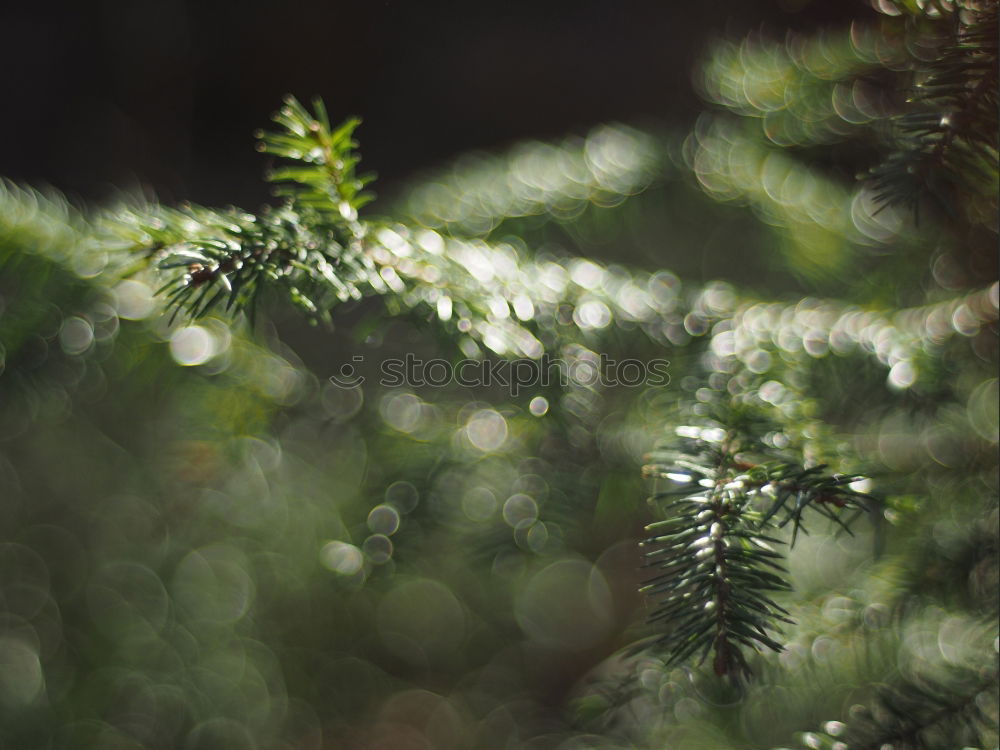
[193, 345]
[487, 430]
[383, 519]
[538, 406]
[520, 510]
[76, 335]
[21, 677]
[134, 300]
[341, 557]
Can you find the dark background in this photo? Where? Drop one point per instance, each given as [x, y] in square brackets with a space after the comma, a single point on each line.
[165, 95]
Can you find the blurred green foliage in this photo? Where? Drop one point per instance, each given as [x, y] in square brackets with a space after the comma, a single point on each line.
[208, 543]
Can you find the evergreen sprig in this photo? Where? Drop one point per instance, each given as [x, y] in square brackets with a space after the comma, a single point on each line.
[316, 251]
[716, 559]
[311, 245]
[230, 257]
[321, 176]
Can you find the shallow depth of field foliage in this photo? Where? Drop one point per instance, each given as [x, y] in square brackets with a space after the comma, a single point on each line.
[206, 543]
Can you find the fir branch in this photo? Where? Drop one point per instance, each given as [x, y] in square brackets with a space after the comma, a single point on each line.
[945, 145]
[822, 229]
[321, 176]
[716, 561]
[311, 245]
[804, 91]
[231, 257]
[320, 253]
[489, 292]
[756, 335]
[953, 708]
[556, 180]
